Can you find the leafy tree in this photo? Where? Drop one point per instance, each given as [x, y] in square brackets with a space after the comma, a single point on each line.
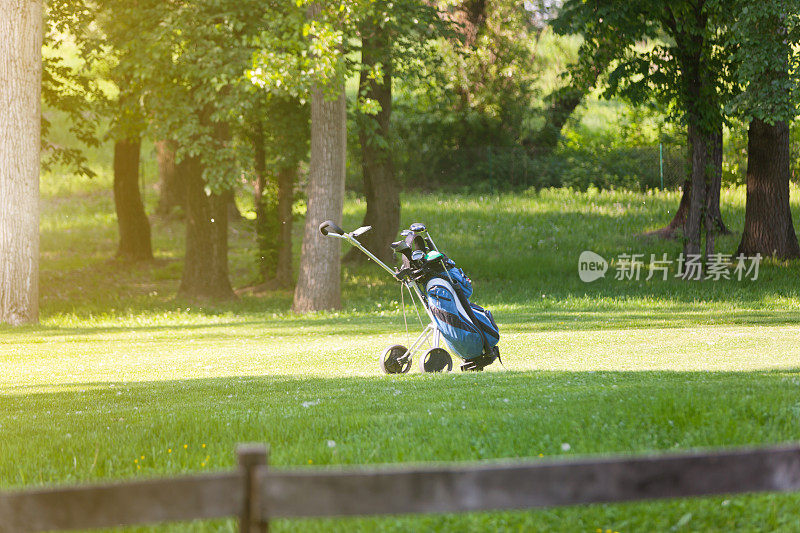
[581, 78]
[492, 72]
[31, 79]
[76, 91]
[280, 136]
[318, 283]
[475, 93]
[764, 41]
[299, 58]
[684, 67]
[380, 185]
[395, 36]
[390, 37]
[71, 90]
[194, 92]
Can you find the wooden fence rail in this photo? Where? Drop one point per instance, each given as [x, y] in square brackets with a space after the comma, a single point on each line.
[257, 494]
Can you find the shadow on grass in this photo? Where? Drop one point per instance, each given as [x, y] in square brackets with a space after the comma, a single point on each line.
[518, 319]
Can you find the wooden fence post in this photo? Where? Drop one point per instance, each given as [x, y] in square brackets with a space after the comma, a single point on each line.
[249, 457]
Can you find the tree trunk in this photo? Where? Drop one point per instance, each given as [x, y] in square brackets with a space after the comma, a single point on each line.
[134, 227]
[20, 131]
[170, 184]
[715, 186]
[267, 227]
[380, 186]
[712, 202]
[563, 104]
[677, 222]
[234, 215]
[564, 100]
[264, 233]
[205, 271]
[768, 226]
[692, 228]
[713, 217]
[286, 180]
[318, 283]
[274, 229]
[471, 16]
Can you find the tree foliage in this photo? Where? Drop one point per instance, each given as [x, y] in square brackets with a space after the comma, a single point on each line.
[670, 52]
[476, 91]
[186, 60]
[69, 88]
[762, 42]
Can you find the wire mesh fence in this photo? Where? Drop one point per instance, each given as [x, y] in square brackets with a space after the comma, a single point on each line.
[632, 167]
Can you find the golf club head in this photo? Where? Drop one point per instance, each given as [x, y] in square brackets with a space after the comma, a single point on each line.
[405, 232]
[402, 247]
[418, 227]
[360, 231]
[417, 255]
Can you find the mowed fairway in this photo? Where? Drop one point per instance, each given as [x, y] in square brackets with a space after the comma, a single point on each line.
[122, 381]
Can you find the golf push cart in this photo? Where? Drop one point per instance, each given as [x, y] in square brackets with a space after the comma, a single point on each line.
[431, 277]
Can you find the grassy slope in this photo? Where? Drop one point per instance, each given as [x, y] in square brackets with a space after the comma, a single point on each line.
[120, 380]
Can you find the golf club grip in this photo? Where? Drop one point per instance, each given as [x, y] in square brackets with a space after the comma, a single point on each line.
[329, 226]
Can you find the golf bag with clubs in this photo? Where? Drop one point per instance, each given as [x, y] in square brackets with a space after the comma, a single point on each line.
[443, 289]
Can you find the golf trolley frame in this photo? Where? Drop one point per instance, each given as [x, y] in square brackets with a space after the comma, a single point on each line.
[391, 361]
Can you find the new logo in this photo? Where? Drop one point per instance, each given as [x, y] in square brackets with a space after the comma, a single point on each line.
[591, 266]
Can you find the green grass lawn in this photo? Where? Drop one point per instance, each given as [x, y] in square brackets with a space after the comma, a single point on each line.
[120, 380]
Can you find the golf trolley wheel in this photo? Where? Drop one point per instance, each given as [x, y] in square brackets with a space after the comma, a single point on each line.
[436, 360]
[390, 360]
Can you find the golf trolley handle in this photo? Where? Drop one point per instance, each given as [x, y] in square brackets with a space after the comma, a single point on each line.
[330, 229]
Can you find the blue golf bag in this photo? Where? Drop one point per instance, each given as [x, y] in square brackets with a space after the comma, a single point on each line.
[468, 329]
